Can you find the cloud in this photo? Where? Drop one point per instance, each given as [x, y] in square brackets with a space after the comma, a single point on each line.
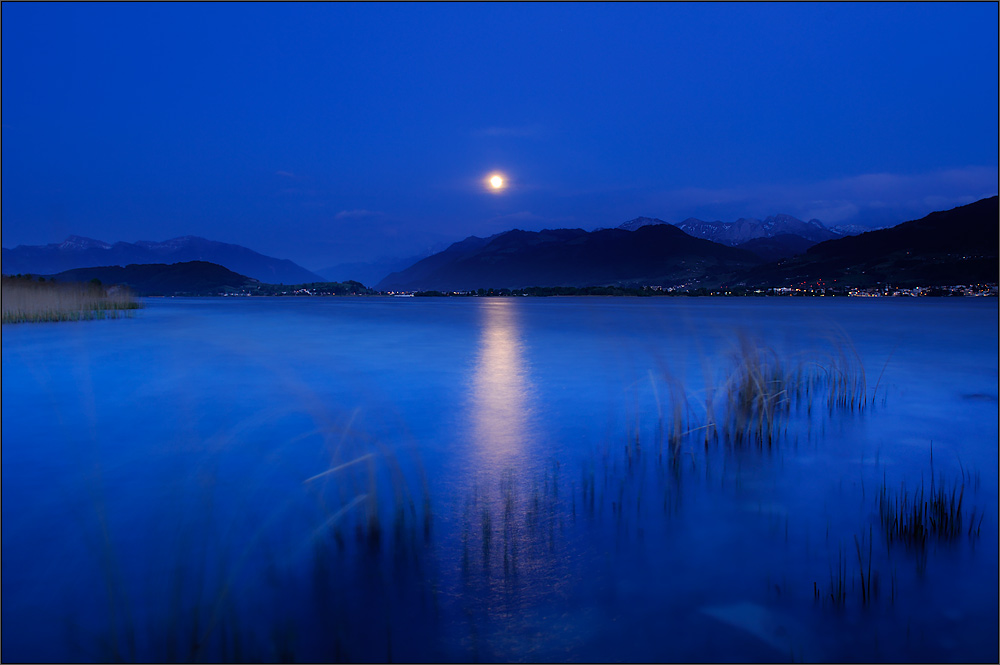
[524, 219]
[510, 132]
[285, 174]
[867, 199]
[357, 214]
[524, 215]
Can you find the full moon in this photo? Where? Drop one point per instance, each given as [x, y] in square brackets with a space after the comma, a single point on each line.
[495, 182]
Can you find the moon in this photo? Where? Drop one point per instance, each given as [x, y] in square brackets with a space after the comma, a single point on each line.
[495, 182]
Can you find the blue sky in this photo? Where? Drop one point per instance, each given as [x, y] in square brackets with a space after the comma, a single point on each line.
[335, 132]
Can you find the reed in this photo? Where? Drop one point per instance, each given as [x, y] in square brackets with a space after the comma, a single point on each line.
[866, 575]
[880, 374]
[838, 580]
[28, 301]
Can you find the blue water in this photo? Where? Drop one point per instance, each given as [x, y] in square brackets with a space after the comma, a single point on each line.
[489, 479]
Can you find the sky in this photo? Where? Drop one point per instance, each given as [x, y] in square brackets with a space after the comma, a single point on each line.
[329, 133]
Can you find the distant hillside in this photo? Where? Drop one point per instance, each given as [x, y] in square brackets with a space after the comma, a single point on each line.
[368, 272]
[188, 278]
[957, 246]
[777, 247]
[653, 254]
[79, 252]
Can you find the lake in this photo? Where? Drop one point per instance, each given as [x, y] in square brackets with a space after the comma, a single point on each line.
[512, 479]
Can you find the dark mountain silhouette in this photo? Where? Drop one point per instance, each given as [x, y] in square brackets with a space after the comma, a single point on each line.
[149, 279]
[957, 246]
[652, 254]
[79, 252]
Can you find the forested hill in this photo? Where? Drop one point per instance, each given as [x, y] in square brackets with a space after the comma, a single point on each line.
[653, 254]
[186, 278]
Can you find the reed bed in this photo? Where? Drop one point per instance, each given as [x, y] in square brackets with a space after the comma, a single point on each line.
[754, 401]
[913, 518]
[758, 394]
[763, 394]
[25, 300]
[845, 377]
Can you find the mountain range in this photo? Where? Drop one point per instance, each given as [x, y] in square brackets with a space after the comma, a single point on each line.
[746, 229]
[949, 247]
[773, 238]
[80, 252]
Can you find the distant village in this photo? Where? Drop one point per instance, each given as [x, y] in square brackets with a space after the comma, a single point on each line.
[802, 290]
[879, 291]
[957, 290]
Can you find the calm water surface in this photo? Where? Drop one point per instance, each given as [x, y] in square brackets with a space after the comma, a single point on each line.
[492, 479]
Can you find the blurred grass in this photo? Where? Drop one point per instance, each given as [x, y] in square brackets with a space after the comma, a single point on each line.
[25, 300]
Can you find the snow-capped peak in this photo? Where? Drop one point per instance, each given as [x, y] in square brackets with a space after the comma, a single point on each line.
[639, 222]
[80, 243]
